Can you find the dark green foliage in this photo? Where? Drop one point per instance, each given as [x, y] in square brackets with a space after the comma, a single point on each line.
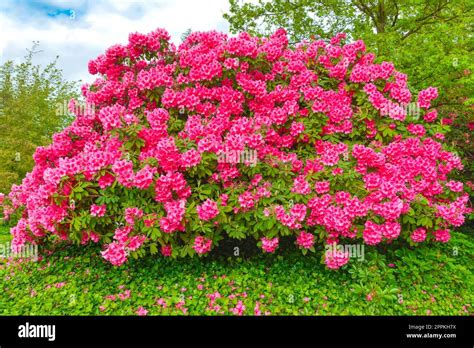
[424, 280]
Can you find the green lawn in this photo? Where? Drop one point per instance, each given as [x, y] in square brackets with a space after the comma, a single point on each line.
[427, 280]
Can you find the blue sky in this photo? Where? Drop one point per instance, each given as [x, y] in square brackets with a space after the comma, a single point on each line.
[79, 30]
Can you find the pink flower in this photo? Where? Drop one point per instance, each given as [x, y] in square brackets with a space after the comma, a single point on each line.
[256, 179]
[106, 180]
[122, 234]
[455, 186]
[166, 250]
[202, 245]
[305, 240]
[224, 198]
[391, 230]
[301, 186]
[208, 210]
[168, 155]
[131, 214]
[246, 200]
[256, 309]
[98, 210]
[418, 235]
[335, 259]
[191, 158]
[298, 212]
[180, 306]
[431, 116]
[175, 213]
[239, 308]
[135, 242]
[115, 254]
[94, 237]
[144, 177]
[390, 210]
[442, 236]
[446, 121]
[124, 171]
[130, 119]
[269, 245]
[141, 311]
[416, 129]
[85, 238]
[322, 187]
[296, 128]
[426, 96]
[372, 233]
[125, 295]
[161, 302]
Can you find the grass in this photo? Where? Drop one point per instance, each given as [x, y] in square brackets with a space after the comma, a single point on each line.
[77, 281]
[5, 236]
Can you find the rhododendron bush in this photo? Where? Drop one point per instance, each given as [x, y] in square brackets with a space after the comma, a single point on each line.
[242, 137]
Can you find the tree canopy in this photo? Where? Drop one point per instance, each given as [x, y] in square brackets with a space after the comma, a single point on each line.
[33, 106]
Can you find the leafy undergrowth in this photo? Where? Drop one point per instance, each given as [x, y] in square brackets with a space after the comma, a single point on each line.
[76, 281]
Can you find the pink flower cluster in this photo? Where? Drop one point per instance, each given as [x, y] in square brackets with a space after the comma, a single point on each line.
[208, 210]
[418, 235]
[131, 214]
[374, 233]
[173, 126]
[335, 259]
[117, 252]
[305, 240]
[202, 245]
[270, 245]
[175, 211]
[98, 210]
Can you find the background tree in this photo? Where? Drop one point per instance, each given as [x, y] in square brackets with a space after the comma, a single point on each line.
[431, 41]
[32, 101]
[185, 34]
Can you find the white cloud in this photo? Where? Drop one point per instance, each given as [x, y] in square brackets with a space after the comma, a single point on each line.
[97, 26]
